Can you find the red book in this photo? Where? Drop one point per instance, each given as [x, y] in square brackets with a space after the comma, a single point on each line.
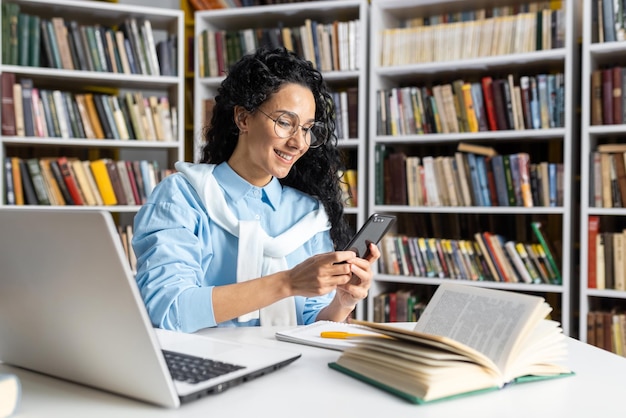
[489, 105]
[593, 229]
[491, 182]
[70, 181]
[495, 257]
[8, 110]
[607, 96]
[133, 182]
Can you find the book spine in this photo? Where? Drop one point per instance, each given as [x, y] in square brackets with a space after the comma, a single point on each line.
[536, 227]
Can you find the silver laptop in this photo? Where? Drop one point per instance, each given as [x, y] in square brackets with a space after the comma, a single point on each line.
[70, 308]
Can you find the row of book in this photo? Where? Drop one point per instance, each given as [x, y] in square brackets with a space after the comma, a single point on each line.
[403, 305]
[431, 40]
[608, 100]
[488, 257]
[606, 264]
[607, 330]
[346, 113]
[467, 179]
[608, 24]
[607, 185]
[33, 112]
[31, 40]
[70, 181]
[491, 104]
[328, 46]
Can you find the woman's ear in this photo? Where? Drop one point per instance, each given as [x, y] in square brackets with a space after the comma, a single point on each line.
[241, 118]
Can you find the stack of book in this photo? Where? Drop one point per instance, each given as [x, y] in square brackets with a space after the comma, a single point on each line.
[475, 176]
[607, 184]
[37, 112]
[479, 33]
[488, 257]
[70, 181]
[54, 42]
[488, 103]
[329, 47]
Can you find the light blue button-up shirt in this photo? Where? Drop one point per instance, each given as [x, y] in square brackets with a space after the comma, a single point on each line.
[182, 254]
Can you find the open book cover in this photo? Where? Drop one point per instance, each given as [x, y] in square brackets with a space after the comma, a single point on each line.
[468, 340]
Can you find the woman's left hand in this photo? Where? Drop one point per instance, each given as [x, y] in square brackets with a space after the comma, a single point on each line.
[355, 290]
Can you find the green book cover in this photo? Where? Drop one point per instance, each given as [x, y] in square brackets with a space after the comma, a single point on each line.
[402, 394]
[536, 226]
[23, 25]
[34, 44]
[54, 45]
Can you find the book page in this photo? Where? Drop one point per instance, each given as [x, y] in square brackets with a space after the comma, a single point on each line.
[490, 321]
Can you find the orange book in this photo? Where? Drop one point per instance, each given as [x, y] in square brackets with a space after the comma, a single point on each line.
[103, 181]
[17, 181]
[54, 192]
[93, 116]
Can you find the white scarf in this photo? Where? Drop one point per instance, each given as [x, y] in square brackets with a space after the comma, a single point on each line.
[263, 254]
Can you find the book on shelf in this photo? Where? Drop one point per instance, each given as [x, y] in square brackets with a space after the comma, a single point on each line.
[9, 191]
[8, 104]
[554, 268]
[28, 188]
[52, 187]
[36, 176]
[16, 175]
[448, 354]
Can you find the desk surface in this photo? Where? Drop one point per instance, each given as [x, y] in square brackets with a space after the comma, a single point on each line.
[312, 389]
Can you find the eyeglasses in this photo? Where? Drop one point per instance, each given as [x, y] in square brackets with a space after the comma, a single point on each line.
[286, 125]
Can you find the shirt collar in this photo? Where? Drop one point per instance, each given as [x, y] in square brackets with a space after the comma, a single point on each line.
[237, 187]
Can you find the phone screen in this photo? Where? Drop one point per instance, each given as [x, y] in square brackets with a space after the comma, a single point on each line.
[372, 231]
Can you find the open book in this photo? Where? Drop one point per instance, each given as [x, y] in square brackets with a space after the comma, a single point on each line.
[469, 339]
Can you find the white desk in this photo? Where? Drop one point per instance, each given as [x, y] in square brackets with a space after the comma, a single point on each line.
[308, 388]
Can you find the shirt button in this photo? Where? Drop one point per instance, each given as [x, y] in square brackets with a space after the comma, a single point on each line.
[257, 193]
[257, 217]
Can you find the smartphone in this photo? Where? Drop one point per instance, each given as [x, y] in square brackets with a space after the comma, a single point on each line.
[372, 231]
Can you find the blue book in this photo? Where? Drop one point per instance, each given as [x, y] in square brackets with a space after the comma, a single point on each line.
[552, 181]
[534, 104]
[473, 169]
[482, 178]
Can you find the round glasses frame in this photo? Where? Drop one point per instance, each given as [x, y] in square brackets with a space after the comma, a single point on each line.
[286, 125]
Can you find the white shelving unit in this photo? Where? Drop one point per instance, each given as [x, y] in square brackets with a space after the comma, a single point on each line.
[294, 15]
[596, 55]
[164, 22]
[387, 14]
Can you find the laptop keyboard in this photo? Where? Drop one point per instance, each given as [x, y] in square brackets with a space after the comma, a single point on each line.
[192, 369]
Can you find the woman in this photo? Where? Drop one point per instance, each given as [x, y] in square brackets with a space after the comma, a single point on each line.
[248, 236]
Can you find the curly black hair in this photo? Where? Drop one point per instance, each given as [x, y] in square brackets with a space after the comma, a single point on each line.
[250, 82]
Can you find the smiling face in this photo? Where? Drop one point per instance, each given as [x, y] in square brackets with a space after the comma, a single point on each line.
[260, 153]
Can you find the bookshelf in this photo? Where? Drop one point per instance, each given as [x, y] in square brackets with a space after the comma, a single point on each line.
[350, 76]
[165, 147]
[436, 61]
[602, 213]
